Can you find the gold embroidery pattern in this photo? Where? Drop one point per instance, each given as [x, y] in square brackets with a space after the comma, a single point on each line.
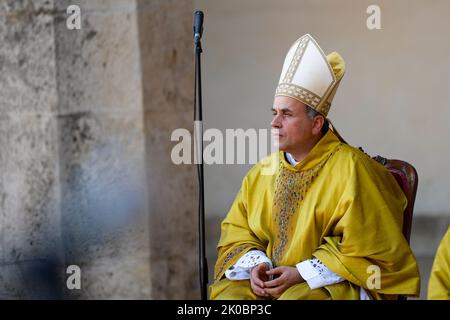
[296, 59]
[324, 108]
[290, 189]
[222, 266]
[298, 92]
[304, 95]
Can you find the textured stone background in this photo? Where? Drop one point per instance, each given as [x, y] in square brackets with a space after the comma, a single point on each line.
[85, 123]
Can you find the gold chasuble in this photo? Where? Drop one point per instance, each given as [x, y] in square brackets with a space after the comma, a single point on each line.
[439, 283]
[337, 205]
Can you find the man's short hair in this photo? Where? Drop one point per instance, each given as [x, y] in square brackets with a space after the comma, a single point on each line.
[311, 113]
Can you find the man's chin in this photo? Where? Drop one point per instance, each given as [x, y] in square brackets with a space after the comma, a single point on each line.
[280, 148]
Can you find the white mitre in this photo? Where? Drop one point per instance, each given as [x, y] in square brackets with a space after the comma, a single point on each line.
[309, 76]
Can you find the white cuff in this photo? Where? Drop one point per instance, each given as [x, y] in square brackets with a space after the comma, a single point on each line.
[242, 268]
[316, 274]
[363, 295]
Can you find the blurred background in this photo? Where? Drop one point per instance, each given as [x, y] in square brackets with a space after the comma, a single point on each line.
[86, 117]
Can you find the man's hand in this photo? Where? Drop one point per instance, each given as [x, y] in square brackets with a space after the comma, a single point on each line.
[287, 277]
[258, 276]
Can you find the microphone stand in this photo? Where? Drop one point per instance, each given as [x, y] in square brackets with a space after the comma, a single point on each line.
[198, 118]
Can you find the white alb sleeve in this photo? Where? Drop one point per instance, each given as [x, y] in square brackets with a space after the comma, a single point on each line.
[242, 268]
[316, 274]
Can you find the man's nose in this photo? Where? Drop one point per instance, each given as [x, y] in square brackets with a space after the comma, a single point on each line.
[276, 122]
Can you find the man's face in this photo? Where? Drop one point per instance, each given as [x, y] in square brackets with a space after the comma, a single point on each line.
[295, 128]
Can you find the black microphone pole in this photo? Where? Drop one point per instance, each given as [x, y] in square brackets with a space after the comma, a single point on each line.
[198, 118]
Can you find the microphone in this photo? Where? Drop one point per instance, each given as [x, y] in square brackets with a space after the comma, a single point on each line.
[203, 263]
[198, 26]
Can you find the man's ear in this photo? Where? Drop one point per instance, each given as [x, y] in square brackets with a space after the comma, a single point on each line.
[317, 124]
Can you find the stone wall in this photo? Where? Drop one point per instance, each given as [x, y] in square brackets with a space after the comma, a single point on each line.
[84, 131]
[165, 34]
[29, 163]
